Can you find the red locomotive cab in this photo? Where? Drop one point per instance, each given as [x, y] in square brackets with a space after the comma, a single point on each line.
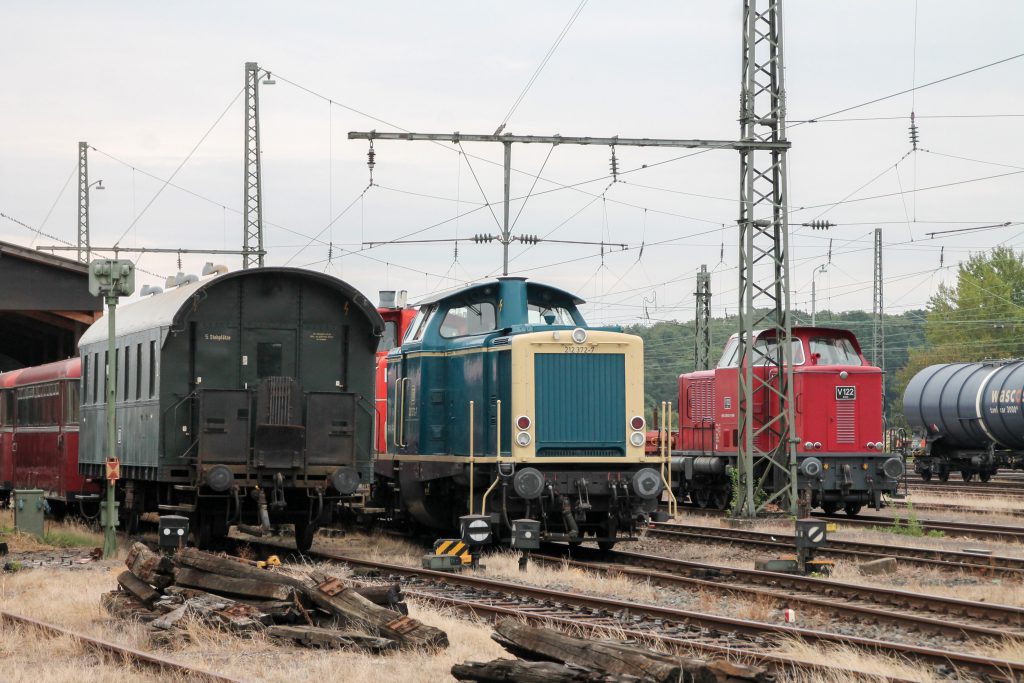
[44, 439]
[397, 316]
[838, 394]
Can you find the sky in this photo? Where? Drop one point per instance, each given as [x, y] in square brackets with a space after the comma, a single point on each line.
[149, 85]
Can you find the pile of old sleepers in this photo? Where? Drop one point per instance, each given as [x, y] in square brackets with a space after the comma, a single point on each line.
[307, 608]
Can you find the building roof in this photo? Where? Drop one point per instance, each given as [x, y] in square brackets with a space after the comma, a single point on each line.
[17, 251]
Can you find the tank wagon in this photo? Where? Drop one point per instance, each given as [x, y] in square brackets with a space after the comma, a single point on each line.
[838, 418]
[502, 401]
[968, 417]
[39, 409]
[242, 399]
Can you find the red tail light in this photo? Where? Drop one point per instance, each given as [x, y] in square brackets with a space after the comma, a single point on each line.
[523, 422]
[637, 423]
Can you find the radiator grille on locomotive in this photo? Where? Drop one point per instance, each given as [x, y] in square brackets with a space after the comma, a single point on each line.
[581, 404]
[846, 419]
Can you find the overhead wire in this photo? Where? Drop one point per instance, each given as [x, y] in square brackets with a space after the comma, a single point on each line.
[180, 166]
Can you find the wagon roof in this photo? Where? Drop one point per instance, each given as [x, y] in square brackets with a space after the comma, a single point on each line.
[167, 308]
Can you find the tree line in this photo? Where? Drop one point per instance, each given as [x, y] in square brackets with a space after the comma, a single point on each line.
[979, 316]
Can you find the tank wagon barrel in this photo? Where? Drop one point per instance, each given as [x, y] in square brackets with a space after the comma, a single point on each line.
[969, 417]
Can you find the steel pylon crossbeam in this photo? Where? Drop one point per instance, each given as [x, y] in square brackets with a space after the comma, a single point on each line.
[83, 203]
[767, 445]
[702, 321]
[252, 215]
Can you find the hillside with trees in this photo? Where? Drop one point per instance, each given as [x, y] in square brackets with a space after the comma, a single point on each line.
[980, 316]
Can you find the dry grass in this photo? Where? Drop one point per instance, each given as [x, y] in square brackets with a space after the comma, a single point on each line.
[68, 533]
[71, 599]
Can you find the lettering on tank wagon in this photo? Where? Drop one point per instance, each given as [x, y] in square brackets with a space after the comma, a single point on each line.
[1007, 400]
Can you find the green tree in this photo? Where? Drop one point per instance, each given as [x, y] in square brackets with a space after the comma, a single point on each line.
[979, 317]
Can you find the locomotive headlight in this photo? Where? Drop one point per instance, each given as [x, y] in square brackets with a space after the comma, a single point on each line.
[869, 445]
[523, 422]
[808, 445]
[637, 422]
[345, 480]
[817, 445]
[844, 374]
[579, 335]
[637, 439]
[523, 439]
[879, 445]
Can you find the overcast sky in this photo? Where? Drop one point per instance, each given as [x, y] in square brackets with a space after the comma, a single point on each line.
[143, 82]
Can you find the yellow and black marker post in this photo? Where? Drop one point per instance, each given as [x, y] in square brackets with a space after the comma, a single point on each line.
[453, 547]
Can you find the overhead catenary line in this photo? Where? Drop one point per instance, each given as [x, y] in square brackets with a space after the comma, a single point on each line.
[180, 166]
[540, 67]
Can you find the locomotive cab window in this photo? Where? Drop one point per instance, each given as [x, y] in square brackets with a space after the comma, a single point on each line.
[468, 320]
[415, 330]
[268, 359]
[833, 351]
[545, 314]
[389, 339]
[766, 350]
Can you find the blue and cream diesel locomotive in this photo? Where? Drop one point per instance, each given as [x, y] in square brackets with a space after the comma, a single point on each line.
[502, 401]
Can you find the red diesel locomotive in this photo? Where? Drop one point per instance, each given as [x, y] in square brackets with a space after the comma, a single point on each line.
[39, 408]
[838, 419]
[397, 316]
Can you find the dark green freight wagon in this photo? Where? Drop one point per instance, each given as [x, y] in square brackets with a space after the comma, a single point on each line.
[242, 399]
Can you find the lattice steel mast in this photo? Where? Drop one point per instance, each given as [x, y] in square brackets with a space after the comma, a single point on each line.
[702, 321]
[767, 451]
[252, 216]
[877, 313]
[83, 203]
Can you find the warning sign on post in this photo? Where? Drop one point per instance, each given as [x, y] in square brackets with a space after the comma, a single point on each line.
[113, 469]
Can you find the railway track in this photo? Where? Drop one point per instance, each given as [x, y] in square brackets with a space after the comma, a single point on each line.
[676, 629]
[122, 653]
[1005, 490]
[990, 532]
[922, 613]
[994, 565]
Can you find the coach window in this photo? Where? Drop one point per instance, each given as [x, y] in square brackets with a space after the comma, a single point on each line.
[138, 371]
[127, 373]
[469, 319]
[152, 369]
[268, 359]
[71, 405]
[85, 377]
[6, 407]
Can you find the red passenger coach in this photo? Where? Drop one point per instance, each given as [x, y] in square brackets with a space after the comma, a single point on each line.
[397, 317]
[40, 432]
[838, 419]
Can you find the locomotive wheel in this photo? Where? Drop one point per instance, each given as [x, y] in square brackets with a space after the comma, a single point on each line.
[943, 476]
[304, 533]
[701, 498]
[984, 475]
[926, 475]
[830, 508]
[852, 509]
[967, 476]
[720, 500]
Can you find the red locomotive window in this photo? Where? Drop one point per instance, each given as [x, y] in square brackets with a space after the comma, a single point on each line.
[389, 339]
[833, 351]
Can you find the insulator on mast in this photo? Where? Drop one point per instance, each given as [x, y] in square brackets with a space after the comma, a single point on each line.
[913, 131]
[614, 166]
[371, 160]
[819, 225]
